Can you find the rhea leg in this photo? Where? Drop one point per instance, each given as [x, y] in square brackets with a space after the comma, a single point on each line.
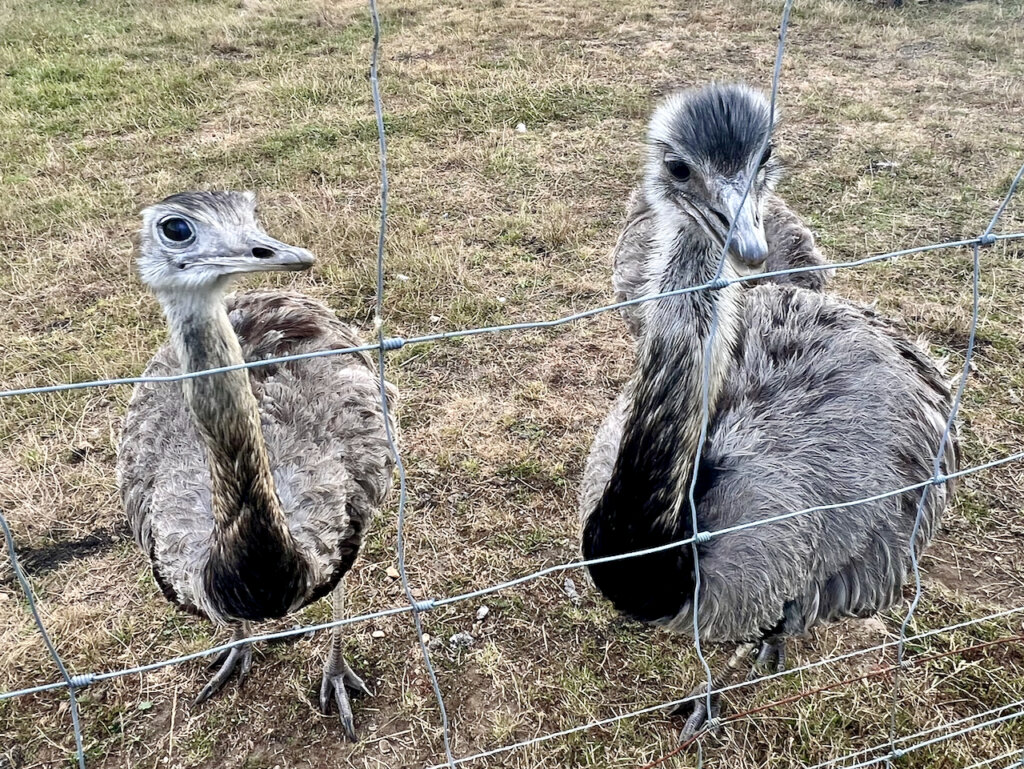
[771, 657]
[237, 658]
[697, 709]
[339, 678]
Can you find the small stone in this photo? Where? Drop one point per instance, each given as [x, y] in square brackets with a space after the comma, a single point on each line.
[401, 277]
[481, 613]
[393, 572]
[461, 641]
[521, 128]
[570, 590]
[502, 300]
[377, 634]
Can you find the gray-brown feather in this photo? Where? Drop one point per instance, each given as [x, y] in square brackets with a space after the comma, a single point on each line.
[322, 422]
[802, 422]
[790, 244]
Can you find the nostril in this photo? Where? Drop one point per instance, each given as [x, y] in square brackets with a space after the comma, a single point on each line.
[262, 253]
[721, 217]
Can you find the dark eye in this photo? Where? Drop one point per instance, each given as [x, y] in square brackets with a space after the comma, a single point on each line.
[767, 154]
[679, 170]
[176, 229]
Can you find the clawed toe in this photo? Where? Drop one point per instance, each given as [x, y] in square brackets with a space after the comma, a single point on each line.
[236, 659]
[696, 711]
[355, 684]
[336, 687]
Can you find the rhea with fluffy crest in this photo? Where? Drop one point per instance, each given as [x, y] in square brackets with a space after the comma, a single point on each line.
[249, 490]
[811, 401]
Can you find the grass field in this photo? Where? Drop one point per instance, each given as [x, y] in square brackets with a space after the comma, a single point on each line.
[902, 127]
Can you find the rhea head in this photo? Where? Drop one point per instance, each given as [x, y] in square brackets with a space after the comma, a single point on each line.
[193, 243]
[704, 145]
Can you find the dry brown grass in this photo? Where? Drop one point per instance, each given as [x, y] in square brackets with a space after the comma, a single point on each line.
[902, 127]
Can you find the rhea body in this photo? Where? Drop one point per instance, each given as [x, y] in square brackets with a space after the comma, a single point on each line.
[811, 401]
[249, 490]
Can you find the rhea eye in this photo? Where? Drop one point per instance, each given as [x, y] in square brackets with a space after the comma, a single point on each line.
[767, 154]
[677, 168]
[176, 229]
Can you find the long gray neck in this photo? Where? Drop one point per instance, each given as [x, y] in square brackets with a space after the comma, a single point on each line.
[674, 355]
[251, 535]
[645, 503]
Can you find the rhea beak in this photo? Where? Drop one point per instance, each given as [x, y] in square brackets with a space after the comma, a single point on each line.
[748, 248]
[261, 253]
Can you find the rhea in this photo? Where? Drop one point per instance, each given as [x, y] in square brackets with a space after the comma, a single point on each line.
[789, 242]
[249, 490]
[811, 401]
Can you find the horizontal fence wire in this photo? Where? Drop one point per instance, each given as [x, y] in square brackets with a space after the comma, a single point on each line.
[896, 747]
[395, 343]
[900, 752]
[896, 752]
[73, 682]
[432, 604]
[1017, 753]
[747, 713]
[879, 672]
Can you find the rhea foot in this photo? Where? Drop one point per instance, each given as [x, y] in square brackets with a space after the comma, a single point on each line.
[696, 711]
[339, 679]
[699, 714]
[237, 658]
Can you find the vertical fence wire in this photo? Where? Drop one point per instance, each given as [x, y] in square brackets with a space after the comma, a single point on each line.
[923, 499]
[70, 681]
[708, 357]
[381, 360]
[940, 453]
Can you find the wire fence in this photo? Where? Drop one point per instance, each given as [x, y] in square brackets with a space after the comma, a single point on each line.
[883, 754]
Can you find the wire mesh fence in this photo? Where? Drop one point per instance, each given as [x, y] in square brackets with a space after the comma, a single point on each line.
[884, 753]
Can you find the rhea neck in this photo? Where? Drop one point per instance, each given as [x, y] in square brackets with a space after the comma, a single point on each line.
[688, 338]
[254, 570]
[646, 501]
[223, 406]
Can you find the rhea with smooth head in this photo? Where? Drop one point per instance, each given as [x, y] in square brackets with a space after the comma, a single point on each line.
[194, 242]
[191, 246]
[704, 148]
[250, 489]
